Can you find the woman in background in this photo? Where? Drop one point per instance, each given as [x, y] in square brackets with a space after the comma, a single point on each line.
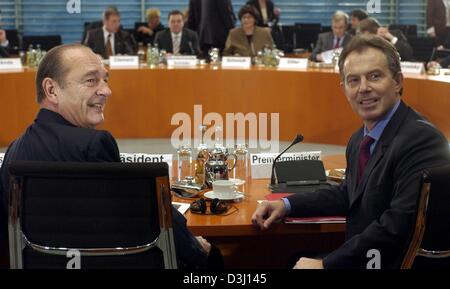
[248, 39]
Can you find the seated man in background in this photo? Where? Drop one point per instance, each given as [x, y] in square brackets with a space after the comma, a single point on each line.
[396, 37]
[385, 161]
[357, 16]
[177, 39]
[146, 33]
[248, 39]
[337, 38]
[72, 91]
[4, 44]
[110, 39]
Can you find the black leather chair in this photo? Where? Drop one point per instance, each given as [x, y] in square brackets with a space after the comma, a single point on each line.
[423, 48]
[306, 35]
[46, 42]
[410, 30]
[430, 242]
[116, 215]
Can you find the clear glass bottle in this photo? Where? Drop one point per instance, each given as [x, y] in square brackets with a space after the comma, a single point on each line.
[240, 170]
[184, 158]
[141, 52]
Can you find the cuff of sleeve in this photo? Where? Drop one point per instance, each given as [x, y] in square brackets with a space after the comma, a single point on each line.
[4, 44]
[394, 40]
[431, 30]
[287, 206]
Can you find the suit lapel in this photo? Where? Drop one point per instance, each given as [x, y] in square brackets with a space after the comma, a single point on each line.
[169, 40]
[383, 144]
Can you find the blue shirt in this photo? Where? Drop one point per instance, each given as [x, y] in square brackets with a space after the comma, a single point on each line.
[375, 133]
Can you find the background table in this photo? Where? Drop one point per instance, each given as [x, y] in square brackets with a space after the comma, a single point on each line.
[144, 100]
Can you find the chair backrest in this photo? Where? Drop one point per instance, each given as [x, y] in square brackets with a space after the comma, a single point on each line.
[117, 215]
[306, 34]
[410, 30]
[13, 38]
[46, 42]
[423, 47]
[431, 237]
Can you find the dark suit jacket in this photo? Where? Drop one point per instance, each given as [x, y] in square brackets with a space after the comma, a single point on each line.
[381, 209]
[212, 20]
[325, 42]
[4, 51]
[436, 18]
[270, 12]
[52, 138]
[147, 39]
[188, 45]
[124, 42]
[404, 49]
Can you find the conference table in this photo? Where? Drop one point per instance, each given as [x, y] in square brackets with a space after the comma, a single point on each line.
[145, 101]
[310, 101]
[245, 246]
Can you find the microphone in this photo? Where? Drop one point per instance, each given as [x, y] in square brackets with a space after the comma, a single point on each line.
[273, 178]
[192, 48]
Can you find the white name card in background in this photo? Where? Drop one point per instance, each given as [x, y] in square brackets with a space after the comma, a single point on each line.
[147, 158]
[10, 64]
[412, 67]
[261, 164]
[123, 62]
[182, 61]
[2, 156]
[236, 62]
[293, 63]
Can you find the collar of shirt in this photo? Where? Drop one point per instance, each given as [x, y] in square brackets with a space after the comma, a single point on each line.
[377, 131]
[174, 35]
[341, 40]
[105, 35]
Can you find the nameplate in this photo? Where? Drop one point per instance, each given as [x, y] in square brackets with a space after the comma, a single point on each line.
[2, 156]
[412, 67]
[147, 158]
[261, 164]
[236, 62]
[293, 63]
[123, 62]
[182, 61]
[10, 64]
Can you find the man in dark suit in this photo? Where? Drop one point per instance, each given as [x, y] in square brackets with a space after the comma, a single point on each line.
[337, 38]
[4, 44]
[438, 22]
[110, 40]
[356, 16]
[396, 37]
[146, 33]
[385, 159]
[72, 92]
[212, 19]
[176, 39]
[267, 18]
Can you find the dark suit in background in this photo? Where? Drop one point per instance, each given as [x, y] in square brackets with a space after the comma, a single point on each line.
[212, 19]
[124, 42]
[403, 47]
[436, 17]
[52, 138]
[325, 41]
[145, 38]
[381, 209]
[188, 45]
[270, 12]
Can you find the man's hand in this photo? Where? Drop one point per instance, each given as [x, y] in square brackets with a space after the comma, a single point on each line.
[206, 246]
[384, 32]
[267, 213]
[145, 30]
[2, 36]
[308, 263]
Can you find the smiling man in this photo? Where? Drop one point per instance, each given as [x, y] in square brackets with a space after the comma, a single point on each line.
[385, 158]
[72, 91]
